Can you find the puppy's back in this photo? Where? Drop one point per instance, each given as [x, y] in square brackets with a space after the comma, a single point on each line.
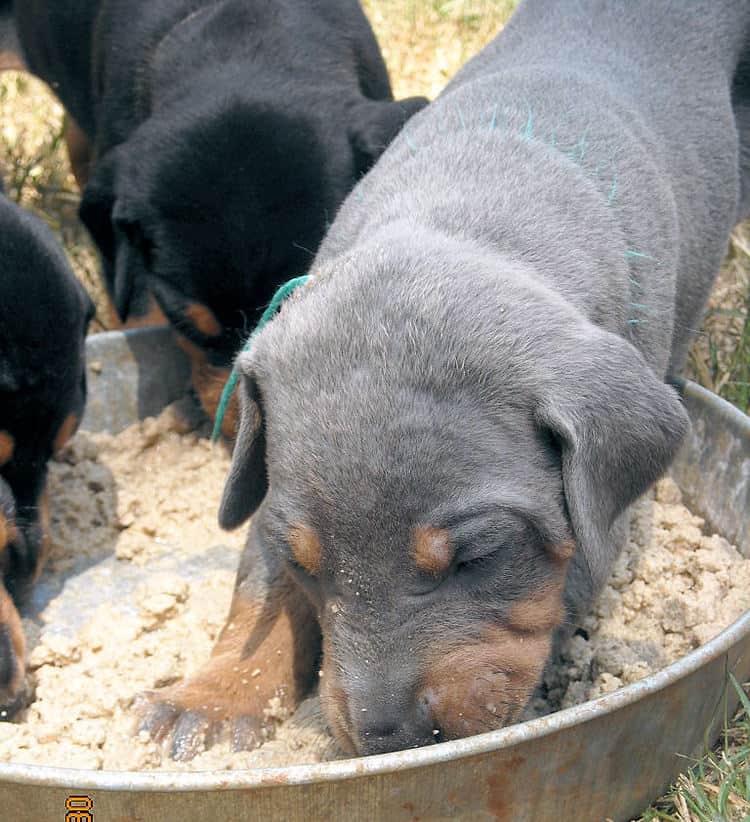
[40, 298]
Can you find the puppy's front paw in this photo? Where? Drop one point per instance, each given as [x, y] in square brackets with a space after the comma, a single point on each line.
[192, 731]
[263, 663]
[13, 691]
[216, 705]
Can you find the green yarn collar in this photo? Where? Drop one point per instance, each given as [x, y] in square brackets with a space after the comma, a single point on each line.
[278, 298]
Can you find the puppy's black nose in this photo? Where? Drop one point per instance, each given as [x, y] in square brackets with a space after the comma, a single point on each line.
[384, 737]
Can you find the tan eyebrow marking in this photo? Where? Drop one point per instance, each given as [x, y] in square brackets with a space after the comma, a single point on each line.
[431, 549]
[561, 551]
[306, 548]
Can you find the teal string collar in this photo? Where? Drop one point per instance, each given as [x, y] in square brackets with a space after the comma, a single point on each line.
[278, 298]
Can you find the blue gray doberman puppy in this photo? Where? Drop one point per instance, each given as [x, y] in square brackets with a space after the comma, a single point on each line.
[442, 432]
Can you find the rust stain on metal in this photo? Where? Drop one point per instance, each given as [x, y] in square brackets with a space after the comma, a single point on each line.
[573, 758]
[276, 779]
[500, 784]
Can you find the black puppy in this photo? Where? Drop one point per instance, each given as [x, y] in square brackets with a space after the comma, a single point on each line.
[44, 313]
[223, 137]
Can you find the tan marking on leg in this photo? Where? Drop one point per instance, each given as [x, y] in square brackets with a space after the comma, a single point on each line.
[7, 533]
[11, 622]
[208, 382]
[80, 152]
[7, 446]
[265, 650]
[203, 319]
[44, 522]
[70, 423]
[43, 506]
[306, 548]
[432, 550]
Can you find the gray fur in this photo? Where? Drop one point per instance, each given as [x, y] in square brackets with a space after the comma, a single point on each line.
[498, 306]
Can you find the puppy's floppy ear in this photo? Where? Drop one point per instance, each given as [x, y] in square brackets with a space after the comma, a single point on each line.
[619, 428]
[133, 251]
[374, 125]
[116, 227]
[247, 482]
[97, 202]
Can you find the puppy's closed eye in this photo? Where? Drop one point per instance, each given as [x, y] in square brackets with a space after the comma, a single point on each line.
[470, 564]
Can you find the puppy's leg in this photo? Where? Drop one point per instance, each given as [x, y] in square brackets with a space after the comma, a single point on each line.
[27, 548]
[208, 382]
[269, 648]
[12, 654]
[79, 151]
[12, 642]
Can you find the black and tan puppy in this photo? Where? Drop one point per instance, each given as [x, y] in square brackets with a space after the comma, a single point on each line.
[443, 431]
[44, 314]
[216, 140]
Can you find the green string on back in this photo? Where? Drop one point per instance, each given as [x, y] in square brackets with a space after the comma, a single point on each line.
[278, 298]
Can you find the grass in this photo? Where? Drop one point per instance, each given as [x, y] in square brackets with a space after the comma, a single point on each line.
[35, 169]
[424, 43]
[717, 787]
[720, 358]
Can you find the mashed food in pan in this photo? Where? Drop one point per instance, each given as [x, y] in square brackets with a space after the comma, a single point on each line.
[140, 578]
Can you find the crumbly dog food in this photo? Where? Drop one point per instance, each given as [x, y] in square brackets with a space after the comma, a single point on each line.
[140, 579]
[672, 589]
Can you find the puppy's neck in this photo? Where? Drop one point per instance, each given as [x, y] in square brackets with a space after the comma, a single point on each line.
[523, 201]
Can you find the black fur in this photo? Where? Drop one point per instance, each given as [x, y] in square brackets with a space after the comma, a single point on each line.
[44, 314]
[224, 137]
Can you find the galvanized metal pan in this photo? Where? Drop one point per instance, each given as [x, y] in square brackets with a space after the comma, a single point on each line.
[605, 759]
